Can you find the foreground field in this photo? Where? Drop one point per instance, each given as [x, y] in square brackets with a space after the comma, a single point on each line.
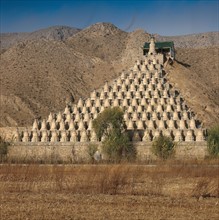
[109, 191]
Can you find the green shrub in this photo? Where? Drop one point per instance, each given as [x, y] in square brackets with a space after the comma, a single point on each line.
[118, 147]
[111, 119]
[163, 147]
[3, 148]
[213, 141]
[110, 125]
[92, 149]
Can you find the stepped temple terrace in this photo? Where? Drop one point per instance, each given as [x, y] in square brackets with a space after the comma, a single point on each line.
[152, 106]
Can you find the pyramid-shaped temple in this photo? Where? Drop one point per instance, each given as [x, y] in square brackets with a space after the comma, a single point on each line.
[151, 107]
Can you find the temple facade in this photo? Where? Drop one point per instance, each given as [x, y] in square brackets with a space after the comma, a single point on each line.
[151, 107]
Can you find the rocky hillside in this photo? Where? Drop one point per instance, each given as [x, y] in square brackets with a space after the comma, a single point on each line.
[195, 74]
[46, 74]
[102, 40]
[201, 40]
[41, 74]
[57, 33]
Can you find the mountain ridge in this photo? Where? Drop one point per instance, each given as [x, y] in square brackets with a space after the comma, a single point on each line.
[62, 32]
[58, 33]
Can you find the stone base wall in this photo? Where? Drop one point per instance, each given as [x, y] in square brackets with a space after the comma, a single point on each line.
[183, 150]
[49, 152]
[78, 152]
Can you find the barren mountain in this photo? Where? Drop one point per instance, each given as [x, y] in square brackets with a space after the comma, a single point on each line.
[58, 33]
[40, 75]
[45, 75]
[201, 40]
[102, 40]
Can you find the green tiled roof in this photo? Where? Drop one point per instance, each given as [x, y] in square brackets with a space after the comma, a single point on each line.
[160, 45]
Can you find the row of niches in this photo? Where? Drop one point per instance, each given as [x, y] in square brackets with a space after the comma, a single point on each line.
[90, 136]
[146, 67]
[129, 100]
[145, 112]
[139, 74]
[162, 124]
[159, 89]
[137, 78]
[134, 115]
[139, 109]
[136, 85]
[148, 104]
[131, 124]
[165, 116]
[130, 112]
[175, 134]
[133, 91]
[148, 60]
[152, 86]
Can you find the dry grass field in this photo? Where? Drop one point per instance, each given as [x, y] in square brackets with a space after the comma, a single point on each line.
[108, 191]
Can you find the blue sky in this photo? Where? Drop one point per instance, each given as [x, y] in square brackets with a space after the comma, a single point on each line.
[165, 17]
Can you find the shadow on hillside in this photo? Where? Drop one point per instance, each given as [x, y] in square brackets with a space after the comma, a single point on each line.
[184, 64]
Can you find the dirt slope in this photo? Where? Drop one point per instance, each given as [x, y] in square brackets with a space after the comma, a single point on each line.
[199, 97]
[46, 74]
